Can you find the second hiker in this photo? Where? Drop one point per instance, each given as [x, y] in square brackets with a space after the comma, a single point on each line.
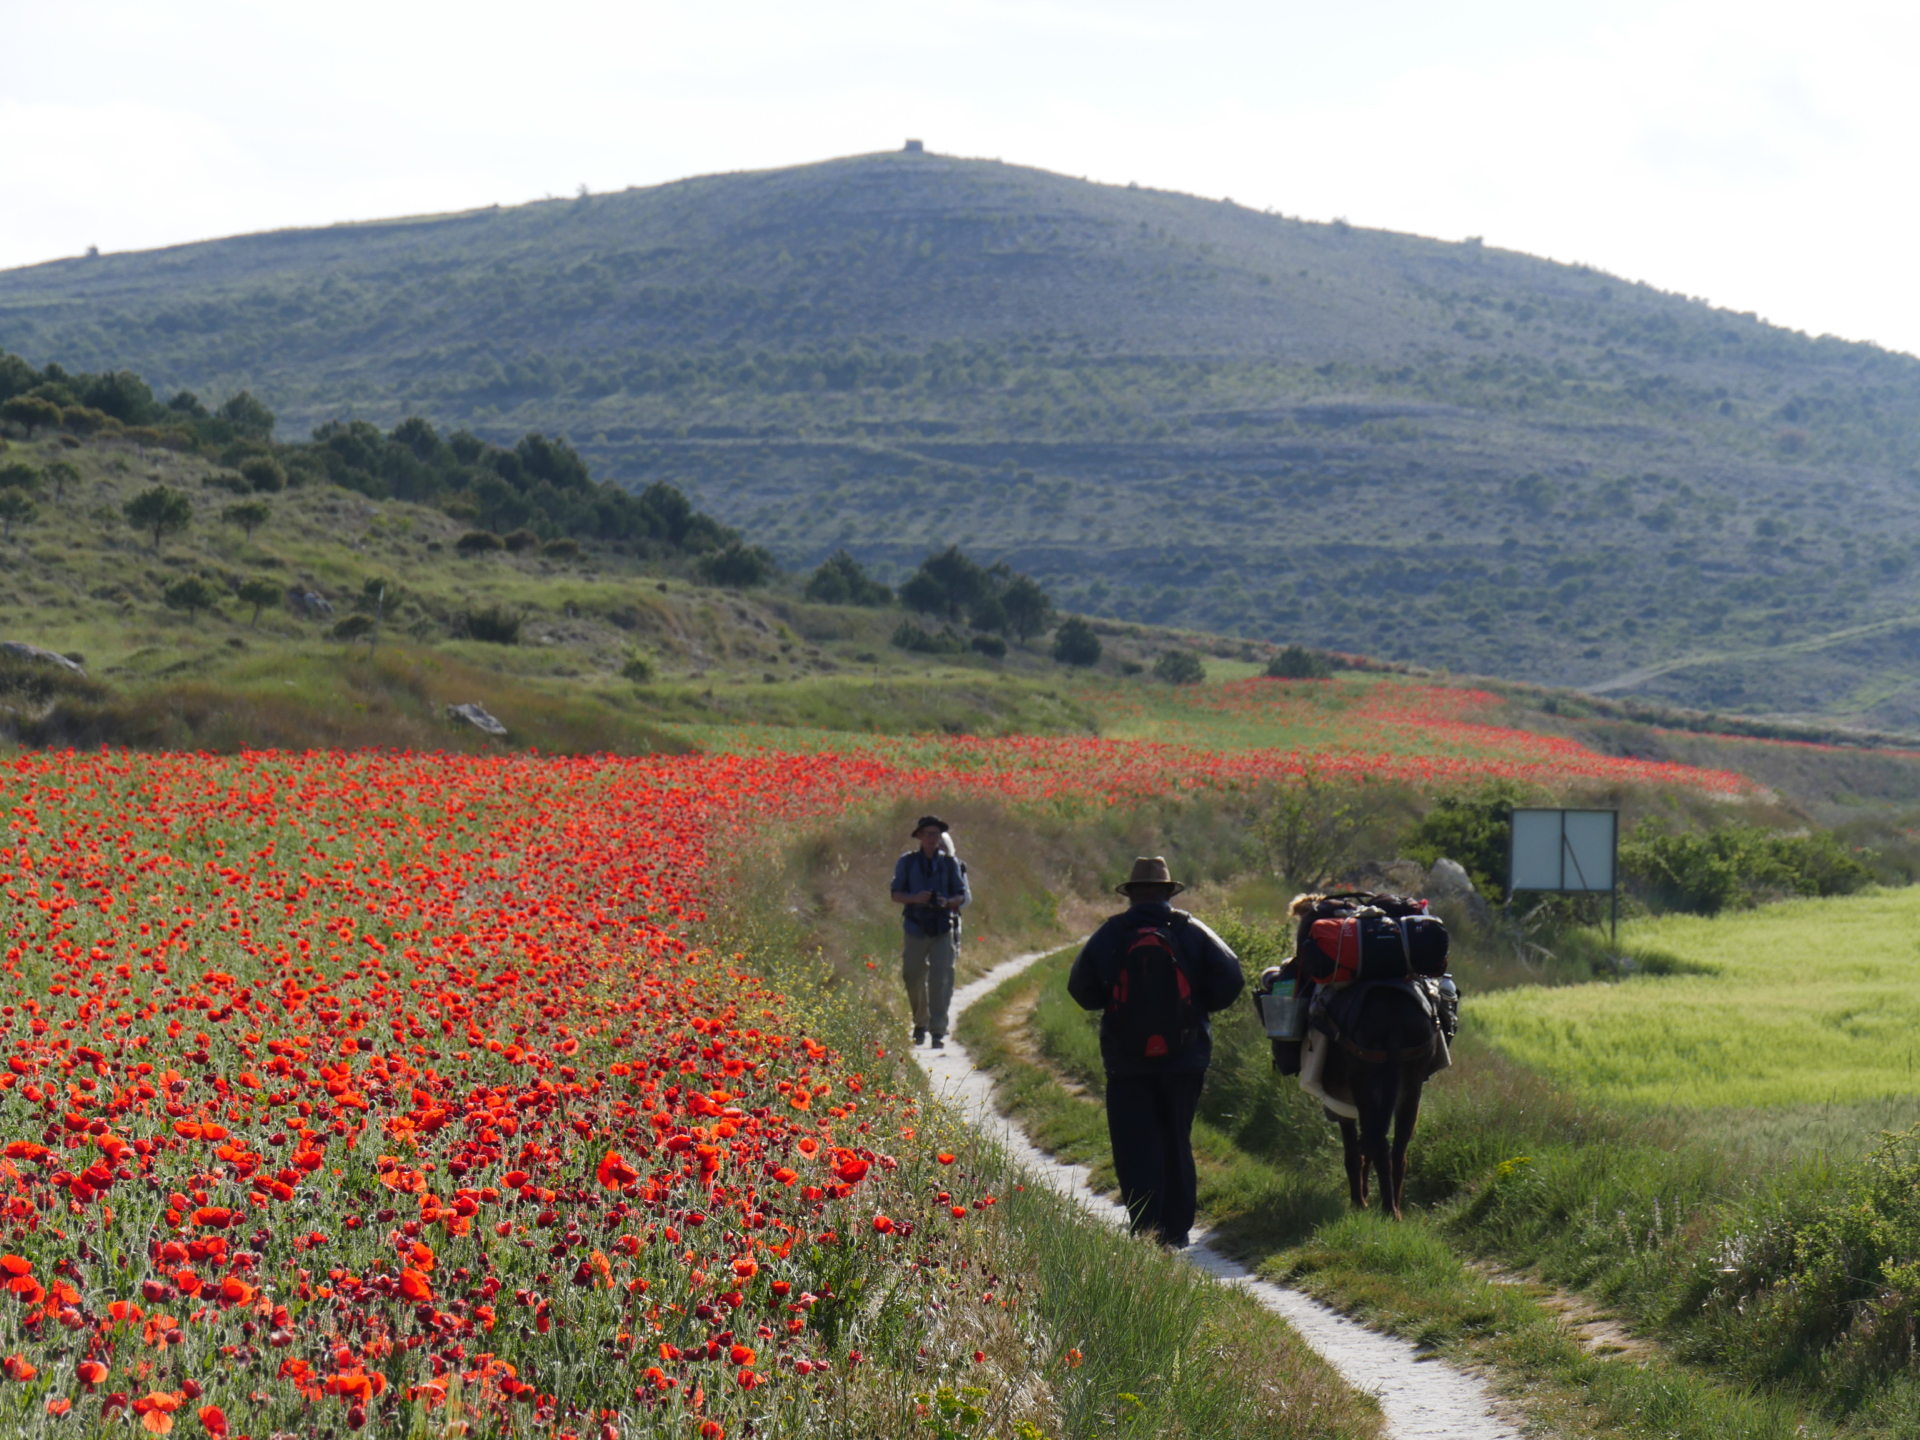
[930, 884]
[1157, 973]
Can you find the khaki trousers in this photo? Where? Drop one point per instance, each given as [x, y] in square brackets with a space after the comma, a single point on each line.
[926, 965]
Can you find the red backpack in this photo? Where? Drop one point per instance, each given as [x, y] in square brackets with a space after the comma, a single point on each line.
[1150, 999]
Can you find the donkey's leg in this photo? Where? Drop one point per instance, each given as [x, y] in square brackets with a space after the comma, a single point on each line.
[1375, 1090]
[1406, 1117]
[1355, 1161]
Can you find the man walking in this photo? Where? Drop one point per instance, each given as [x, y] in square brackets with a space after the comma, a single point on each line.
[1157, 973]
[930, 885]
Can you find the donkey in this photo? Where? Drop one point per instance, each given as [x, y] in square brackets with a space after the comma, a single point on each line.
[1384, 1047]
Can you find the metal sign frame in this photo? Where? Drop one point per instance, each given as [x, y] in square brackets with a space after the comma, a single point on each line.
[1569, 856]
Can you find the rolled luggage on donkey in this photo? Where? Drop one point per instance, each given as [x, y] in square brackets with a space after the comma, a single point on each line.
[1345, 944]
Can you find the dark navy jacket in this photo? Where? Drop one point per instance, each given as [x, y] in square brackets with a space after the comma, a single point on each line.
[942, 874]
[1211, 966]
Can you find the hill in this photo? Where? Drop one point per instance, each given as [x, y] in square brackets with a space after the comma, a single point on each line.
[1166, 409]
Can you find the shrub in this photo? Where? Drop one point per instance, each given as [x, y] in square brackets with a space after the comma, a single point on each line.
[1738, 865]
[264, 473]
[1074, 643]
[991, 646]
[639, 669]
[1180, 667]
[561, 549]
[840, 580]
[231, 481]
[191, 594]
[944, 641]
[62, 473]
[478, 542]
[519, 540]
[353, 627]
[21, 477]
[739, 565]
[1296, 662]
[1473, 831]
[496, 625]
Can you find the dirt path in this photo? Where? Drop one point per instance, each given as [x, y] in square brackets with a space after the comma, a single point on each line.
[1422, 1398]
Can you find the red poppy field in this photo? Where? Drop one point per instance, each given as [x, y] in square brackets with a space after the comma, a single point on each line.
[367, 1091]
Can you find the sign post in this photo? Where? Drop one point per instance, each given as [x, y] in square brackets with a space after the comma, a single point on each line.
[1567, 852]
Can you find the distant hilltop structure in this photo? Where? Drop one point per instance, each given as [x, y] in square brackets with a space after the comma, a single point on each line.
[913, 147]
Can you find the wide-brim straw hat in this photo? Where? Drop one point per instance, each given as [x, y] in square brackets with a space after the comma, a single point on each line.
[1149, 870]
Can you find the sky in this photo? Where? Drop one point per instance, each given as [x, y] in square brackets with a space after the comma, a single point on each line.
[1752, 154]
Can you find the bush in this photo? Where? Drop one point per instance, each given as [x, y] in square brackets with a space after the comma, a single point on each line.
[478, 542]
[1074, 643]
[249, 515]
[191, 594]
[496, 625]
[739, 565]
[1296, 662]
[1473, 830]
[561, 549]
[945, 641]
[264, 473]
[841, 580]
[991, 646]
[15, 509]
[520, 540]
[1180, 667]
[354, 627]
[1739, 865]
[639, 669]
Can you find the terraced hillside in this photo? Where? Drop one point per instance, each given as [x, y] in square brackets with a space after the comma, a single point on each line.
[1168, 409]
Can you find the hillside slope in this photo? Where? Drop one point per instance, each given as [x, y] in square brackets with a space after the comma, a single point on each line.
[1167, 409]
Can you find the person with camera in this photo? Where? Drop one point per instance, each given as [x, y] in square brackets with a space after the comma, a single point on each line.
[930, 886]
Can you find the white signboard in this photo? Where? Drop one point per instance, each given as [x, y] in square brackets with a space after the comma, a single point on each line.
[1562, 850]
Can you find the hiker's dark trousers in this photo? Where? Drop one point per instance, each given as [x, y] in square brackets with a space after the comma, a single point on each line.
[1150, 1123]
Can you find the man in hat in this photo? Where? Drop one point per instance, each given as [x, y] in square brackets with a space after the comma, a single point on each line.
[930, 885]
[1157, 973]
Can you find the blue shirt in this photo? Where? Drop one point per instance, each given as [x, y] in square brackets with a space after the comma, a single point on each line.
[940, 873]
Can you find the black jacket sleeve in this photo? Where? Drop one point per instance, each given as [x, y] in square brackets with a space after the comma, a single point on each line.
[1086, 982]
[1216, 969]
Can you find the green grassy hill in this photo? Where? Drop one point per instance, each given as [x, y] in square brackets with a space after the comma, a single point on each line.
[1167, 409]
[613, 651]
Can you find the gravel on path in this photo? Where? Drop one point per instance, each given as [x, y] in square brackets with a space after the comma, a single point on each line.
[1422, 1398]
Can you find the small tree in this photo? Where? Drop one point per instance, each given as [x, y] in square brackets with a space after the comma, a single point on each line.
[191, 594]
[264, 473]
[21, 477]
[15, 509]
[31, 411]
[259, 594]
[249, 515]
[1179, 667]
[1074, 643]
[62, 473]
[1311, 829]
[1028, 608]
[160, 510]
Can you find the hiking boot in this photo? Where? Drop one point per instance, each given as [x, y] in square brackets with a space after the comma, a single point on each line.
[919, 1034]
[939, 1042]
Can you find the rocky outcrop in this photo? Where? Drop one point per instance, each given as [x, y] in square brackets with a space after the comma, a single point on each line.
[477, 716]
[21, 650]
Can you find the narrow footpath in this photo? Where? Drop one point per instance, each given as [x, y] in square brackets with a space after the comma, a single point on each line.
[1422, 1398]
